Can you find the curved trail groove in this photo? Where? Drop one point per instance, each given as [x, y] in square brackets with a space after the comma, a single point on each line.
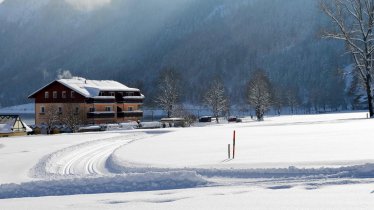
[84, 159]
[84, 169]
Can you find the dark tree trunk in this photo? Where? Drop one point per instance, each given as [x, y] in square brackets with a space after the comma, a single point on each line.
[369, 96]
[259, 114]
[169, 111]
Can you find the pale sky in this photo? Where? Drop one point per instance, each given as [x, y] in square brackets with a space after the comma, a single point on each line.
[87, 4]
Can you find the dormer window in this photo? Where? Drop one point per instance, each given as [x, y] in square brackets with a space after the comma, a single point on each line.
[46, 94]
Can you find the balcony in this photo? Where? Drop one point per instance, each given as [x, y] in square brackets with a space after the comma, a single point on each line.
[101, 99]
[132, 99]
[91, 115]
[130, 114]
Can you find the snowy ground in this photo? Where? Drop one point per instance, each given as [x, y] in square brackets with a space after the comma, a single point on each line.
[20, 109]
[290, 162]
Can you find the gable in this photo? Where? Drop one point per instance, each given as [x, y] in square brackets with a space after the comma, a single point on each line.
[39, 95]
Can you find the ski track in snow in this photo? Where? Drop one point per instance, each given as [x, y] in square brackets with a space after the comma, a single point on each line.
[86, 159]
[83, 169]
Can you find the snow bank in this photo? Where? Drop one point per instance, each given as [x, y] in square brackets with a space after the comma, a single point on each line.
[108, 184]
[115, 165]
[122, 126]
[150, 125]
[129, 125]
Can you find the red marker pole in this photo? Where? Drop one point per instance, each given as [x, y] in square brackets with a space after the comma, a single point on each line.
[229, 150]
[233, 145]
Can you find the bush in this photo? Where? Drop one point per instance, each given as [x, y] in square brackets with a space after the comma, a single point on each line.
[55, 131]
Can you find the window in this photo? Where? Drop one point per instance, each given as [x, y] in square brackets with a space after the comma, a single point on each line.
[42, 110]
[60, 110]
[130, 109]
[111, 93]
[46, 94]
[130, 93]
[108, 109]
[92, 109]
[54, 94]
[72, 94]
[76, 110]
[63, 94]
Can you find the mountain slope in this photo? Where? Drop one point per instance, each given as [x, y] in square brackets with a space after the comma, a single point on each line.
[132, 40]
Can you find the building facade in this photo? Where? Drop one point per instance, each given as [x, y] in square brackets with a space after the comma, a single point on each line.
[92, 101]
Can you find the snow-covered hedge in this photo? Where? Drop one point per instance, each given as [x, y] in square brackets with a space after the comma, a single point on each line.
[107, 184]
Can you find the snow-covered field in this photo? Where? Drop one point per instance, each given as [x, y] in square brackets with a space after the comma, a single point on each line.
[288, 162]
[20, 109]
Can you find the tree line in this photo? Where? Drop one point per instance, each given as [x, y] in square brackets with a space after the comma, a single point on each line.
[260, 94]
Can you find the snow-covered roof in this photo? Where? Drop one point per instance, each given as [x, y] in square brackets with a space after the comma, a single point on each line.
[28, 129]
[5, 128]
[90, 88]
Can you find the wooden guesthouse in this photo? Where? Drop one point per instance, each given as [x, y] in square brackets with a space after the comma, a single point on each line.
[95, 101]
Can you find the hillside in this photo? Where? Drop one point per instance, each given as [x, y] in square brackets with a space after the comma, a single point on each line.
[131, 41]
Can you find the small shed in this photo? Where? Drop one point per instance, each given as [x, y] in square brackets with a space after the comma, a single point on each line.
[12, 125]
[173, 122]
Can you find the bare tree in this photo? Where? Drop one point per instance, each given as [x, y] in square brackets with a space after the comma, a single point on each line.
[278, 99]
[72, 117]
[259, 93]
[354, 22]
[179, 111]
[215, 98]
[292, 99]
[51, 117]
[168, 90]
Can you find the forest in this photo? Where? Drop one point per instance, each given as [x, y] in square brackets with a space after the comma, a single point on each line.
[133, 42]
